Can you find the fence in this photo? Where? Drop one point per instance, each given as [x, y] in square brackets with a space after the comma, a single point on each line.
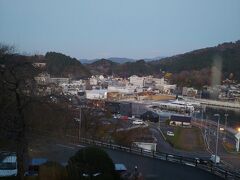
[189, 161]
[194, 162]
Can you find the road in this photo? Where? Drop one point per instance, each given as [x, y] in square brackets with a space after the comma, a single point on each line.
[57, 150]
[230, 159]
[164, 146]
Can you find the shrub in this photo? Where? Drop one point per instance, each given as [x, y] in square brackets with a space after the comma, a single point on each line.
[91, 163]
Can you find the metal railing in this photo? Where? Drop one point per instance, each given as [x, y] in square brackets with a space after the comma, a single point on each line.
[189, 161]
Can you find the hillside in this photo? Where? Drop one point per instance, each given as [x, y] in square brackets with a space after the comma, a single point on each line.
[102, 66]
[192, 68]
[203, 58]
[61, 65]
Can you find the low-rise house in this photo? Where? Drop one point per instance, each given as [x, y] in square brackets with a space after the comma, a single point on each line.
[191, 92]
[146, 143]
[180, 120]
[136, 80]
[93, 81]
[168, 89]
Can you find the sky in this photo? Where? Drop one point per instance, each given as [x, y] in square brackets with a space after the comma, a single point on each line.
[117, 28]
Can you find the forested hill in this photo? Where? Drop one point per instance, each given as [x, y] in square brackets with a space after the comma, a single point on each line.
[108, 67]
[60, 65]
[102, 66]
[203, 58]
[192, 68]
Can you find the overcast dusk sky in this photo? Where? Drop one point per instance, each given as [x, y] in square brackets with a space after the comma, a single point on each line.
[118, 28]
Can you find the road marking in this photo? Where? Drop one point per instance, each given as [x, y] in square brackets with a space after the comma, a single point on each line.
[78, 145]
[65, 146]
[189, 164]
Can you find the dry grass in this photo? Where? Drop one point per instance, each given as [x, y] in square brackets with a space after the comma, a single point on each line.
[188, 139]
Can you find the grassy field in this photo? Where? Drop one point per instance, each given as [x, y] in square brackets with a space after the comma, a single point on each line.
[188, 139]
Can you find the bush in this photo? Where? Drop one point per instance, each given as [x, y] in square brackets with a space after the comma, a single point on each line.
[91, 163]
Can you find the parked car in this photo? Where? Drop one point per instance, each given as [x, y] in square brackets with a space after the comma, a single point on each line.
[137, 122]
[120, 168]
[170, 133]
[8, 164]
[117, 116]
[124, 118]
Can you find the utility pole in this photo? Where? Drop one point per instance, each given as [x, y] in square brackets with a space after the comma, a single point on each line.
[225, 128]
[216, 150]
[206, 123]
[159, 122]
[79, 124]
[202, 117]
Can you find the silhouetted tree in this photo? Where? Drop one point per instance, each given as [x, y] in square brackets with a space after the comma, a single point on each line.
[17, 87]
[91, 163]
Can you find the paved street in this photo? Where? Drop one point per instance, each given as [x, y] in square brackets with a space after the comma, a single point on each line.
[164, 146]
[151, 168]
[231, 159]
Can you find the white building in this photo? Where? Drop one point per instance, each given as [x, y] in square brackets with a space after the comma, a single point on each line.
[136, 80]
[158, 82]
[93, 81]
[96, 94]
[74, 87]
[148, 81]
[101, 78]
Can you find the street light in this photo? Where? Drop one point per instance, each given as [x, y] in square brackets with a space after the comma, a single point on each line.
[216, 150]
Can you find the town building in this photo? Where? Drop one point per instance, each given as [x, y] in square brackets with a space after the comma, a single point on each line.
[136, 80]
[58, 80]
[180, 120]
[96, 94]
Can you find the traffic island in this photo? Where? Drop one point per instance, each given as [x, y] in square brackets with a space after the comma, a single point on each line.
[188, 139]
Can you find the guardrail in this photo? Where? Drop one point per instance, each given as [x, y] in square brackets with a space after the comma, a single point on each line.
[194, 162]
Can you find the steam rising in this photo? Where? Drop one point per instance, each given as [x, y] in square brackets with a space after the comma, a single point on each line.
[216, 71]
